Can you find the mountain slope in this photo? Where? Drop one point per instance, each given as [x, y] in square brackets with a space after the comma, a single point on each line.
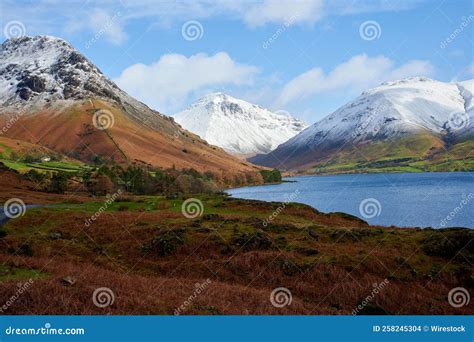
[51, 95]
[414, 120]
[237, 126]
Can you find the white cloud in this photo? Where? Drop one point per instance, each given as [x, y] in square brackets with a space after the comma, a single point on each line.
[102, 23]
[357, 74]
[167, 84]
[275, 11]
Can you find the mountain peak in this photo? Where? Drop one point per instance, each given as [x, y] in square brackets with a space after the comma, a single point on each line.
[236, 125]
[41, 69]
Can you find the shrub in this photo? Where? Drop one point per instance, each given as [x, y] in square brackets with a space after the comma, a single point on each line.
[166, 243]
[449, 243]
[273, 176]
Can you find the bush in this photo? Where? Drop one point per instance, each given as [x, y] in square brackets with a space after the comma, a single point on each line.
[166, 243]
[273, 176]
[449, 243]
[58, 183]
[252, 241]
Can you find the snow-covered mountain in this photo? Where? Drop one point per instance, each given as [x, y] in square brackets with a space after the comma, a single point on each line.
[388, 112]
[238, 126]
[44, 70]
[53, 96]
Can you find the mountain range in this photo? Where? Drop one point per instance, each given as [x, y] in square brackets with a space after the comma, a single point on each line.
[414, 124]
[239, 127]
[53, 97]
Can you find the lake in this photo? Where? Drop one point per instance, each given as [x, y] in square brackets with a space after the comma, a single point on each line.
[441, 199]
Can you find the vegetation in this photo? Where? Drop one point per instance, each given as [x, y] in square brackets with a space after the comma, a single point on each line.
[144, 244]
[273, 176]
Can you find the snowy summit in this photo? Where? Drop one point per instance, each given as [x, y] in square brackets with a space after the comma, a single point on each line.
[238, 126]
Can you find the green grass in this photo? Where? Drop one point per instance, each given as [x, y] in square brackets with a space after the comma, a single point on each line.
[8, 273]
[51, 166]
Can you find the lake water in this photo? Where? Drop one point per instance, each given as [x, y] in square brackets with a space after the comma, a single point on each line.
[401, 199]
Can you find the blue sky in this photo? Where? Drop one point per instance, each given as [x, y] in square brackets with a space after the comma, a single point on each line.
[305, 57]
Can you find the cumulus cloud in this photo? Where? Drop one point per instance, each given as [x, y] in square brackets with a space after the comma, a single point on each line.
[275, 11]
[357, 74]
[166, 84]
[103, 23]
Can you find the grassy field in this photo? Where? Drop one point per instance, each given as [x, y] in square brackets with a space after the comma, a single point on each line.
[413, 154]
[152, 256]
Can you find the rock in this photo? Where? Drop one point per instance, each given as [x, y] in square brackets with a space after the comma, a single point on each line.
[55, 235]
[68, 281]
[313, 234]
